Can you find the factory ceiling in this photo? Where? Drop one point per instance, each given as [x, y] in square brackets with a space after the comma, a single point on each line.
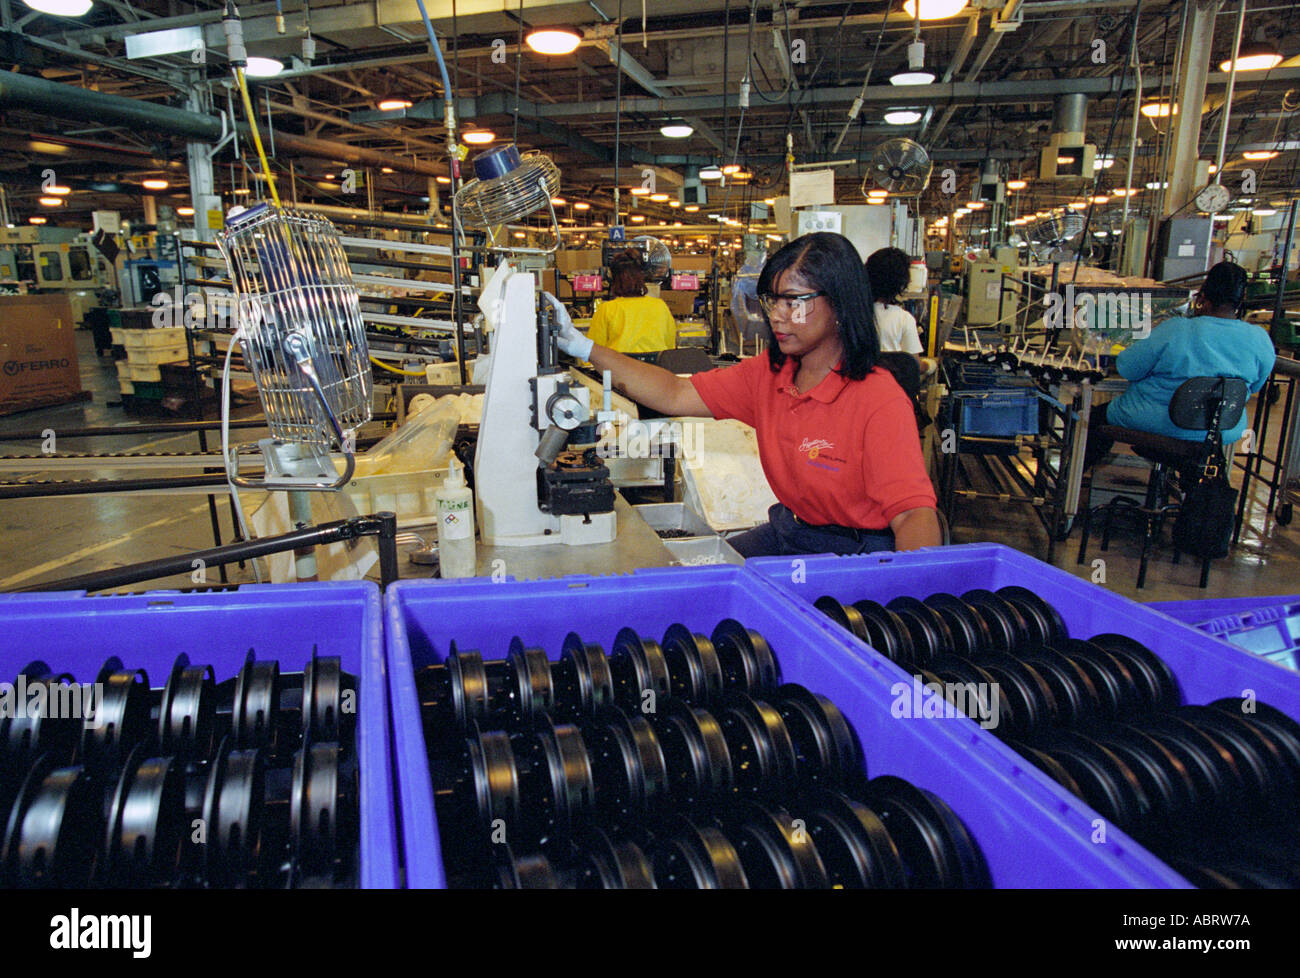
[999, 66]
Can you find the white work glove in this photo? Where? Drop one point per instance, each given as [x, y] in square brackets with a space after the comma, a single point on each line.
[570, 340]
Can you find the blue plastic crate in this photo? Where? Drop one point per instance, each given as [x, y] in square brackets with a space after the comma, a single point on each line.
[995, 413]
[1206, 668]
[76, 633]
[1266, 627]
[1032, 832]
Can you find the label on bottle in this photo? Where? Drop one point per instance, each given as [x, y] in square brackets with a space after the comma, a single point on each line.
[455, 519]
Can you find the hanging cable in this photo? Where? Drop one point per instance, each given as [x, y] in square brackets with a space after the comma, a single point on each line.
[238, 55]
[618, 106]
[519, 64]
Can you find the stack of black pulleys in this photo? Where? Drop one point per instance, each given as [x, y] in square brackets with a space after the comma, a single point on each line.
[679, 764]
[1213, 790]
[249, 782]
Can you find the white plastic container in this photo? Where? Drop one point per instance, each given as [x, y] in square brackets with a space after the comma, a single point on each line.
[457, 554]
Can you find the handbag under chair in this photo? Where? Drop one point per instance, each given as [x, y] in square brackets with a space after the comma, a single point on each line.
[1204, 513]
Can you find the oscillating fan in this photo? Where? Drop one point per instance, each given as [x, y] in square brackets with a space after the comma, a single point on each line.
[1054, 235]
[303, 339]
[658, 259]
[899, 165]
[508, 187]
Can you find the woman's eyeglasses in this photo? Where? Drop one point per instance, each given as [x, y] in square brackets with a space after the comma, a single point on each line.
[786, 302]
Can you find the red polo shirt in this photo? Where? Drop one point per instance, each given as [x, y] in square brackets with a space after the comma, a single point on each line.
[846, 452]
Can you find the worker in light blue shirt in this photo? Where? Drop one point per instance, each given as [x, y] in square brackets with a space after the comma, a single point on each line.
[1213, 342]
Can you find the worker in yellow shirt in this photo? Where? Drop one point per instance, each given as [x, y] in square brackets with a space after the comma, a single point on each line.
[632, 322]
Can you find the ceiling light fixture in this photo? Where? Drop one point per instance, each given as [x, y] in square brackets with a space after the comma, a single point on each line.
[911, 78]
[637, 218]
[51, 201]
[393, 104]
[1254, 56]
[676, 130]
[1264, 211]
[58, 190]
[558, 202]
[674, 203]
[1100, 199]
[1260, 154]
[60, 8]
[442, 179]
[36, 219]
[902, 117]
[640, 191]
[553, 40]
[154, 183]
[934, 9]
[185, 211]
[711, 173]
[1159, 110]
[582, 205]
[478, 137]
[691, 208]
[975, 205]
[263, 67]
[659, 198]
[1157, 184]
[1017, 184]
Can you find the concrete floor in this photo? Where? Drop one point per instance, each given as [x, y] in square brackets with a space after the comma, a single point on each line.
[49, 539]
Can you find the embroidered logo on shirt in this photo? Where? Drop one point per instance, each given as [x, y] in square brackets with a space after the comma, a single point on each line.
[814, 446]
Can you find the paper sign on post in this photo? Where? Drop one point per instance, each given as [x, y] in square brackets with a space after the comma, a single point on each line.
[809, 188]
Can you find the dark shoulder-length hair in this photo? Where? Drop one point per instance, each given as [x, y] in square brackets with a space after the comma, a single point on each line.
[627, 280]
[830, 263]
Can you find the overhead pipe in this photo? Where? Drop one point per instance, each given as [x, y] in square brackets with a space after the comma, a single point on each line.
[72, 102]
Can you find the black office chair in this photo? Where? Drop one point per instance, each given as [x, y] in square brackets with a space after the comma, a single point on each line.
[1193, 407]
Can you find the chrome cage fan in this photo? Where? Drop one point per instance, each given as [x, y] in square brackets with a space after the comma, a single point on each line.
[658, 259]
[508, 187]
[1054, 235]
[304, 341]
[899, 165]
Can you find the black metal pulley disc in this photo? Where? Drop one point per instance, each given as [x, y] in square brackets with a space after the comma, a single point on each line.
[1280, 728]
[1166, 683]
[586, 681]
[605, 864]
[693, 666]
[854, 845]
[930, 634]
[846, 616]
[54, 829]
[1023, 635]
[147, 830]
[233, 809]
[763, 757]
[1104, 782]
[468, 683]
[627, 763]
[187, 712]
[528, 686]
[572, 789]
[747, 660]
[1002, 632]
[641, 677]
[494, 778]
[322, 812]
[531, 872]
[697, 857]
[121, 720]
[43, 722]
[886, 632]
[830, 755]
[1046, 621]
[933, 841]
[1133, 695]
[1048, 765]
[695, 749]
[253, 713]
[775, 852]
[328, 701]
[970, 634]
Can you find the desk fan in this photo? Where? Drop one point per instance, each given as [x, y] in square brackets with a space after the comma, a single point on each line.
[899, 165]
[508, 187]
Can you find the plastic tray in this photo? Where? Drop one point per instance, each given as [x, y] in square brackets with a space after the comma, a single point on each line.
[76, 633]
[996, 413]
[1266, 627]
[1035, 837]
[1206, 668]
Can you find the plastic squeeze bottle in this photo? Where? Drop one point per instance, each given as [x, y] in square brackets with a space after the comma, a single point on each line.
[457, 554]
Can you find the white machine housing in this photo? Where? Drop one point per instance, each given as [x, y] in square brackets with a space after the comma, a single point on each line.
[514, 417]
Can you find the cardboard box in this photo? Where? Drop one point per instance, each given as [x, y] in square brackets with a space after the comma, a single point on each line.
[681, 303]
[38, 354]
[692, 263]
[573, 260]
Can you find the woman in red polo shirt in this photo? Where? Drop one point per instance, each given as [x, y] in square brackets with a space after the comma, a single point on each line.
[836, 434]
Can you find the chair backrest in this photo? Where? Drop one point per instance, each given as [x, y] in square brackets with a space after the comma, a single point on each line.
[1194, 403]
[685, 360]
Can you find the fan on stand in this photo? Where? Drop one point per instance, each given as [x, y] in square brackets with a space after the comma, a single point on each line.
[1054, 236]
[508, 187]
[899, 165]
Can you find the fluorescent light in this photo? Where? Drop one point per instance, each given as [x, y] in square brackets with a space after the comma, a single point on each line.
[731, 168]
[582, 205]
[1077, 205]
[386, 169]
[902, 117]
[691, 208]
[1254, 56]
[934, 9]
[1017, 184]
[1100, 199]
[676, 130]
[1260, 154]
[1103, 162]
[442, 179]
[1222, 217]
[558, 202]
[1157, 184]
[975, 205]
[637, 218]
[51, 201]
[878, 192]
[60, 8]
[553, 40]
[185, 211]
[58, 190]
[154, 183]
[1064, 160]
[393, 104]
[241, 191]
[36, 219]
[659, 198]
[711, 173]
[1159, 110]
[519, 234]
[478, 137]
[1264, 211]
[674, 203]
[263, 67]
[911, 78]
[640, 191]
